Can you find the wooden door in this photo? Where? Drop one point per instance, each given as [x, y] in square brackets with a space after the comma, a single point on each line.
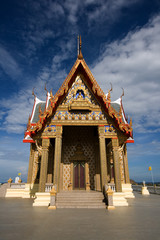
[79, 175]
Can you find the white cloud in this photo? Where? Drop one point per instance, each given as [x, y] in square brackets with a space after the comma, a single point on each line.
[18, 107]
[9, 64]
[133, 63]
[48, 17]
[110, 10]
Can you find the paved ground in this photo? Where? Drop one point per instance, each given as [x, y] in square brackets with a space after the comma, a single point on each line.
[20, 221]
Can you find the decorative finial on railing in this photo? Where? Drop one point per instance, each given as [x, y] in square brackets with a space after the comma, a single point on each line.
[80, 56]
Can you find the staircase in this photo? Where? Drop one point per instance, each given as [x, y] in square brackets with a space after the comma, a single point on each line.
[80, 199]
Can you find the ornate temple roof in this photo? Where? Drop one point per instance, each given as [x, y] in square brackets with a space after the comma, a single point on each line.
[43, 110]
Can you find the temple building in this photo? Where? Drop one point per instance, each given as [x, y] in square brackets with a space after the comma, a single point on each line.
[78, 141]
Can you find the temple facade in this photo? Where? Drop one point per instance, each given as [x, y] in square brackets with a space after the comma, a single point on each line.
[78, 137]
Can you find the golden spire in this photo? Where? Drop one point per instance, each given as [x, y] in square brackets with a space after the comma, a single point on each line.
[80, 56]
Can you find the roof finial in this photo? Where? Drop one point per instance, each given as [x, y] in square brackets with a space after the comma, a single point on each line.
[111, 87]
[33, 92]
[45, 88]
[122, 93]
[109, 93]
[80, 56]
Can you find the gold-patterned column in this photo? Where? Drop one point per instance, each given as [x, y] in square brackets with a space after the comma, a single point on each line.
[97, 160]
[126, 170]
[57, 156]
[44, 164]
[103, 158]
[30, 167]
[50, 165]
[117, 173]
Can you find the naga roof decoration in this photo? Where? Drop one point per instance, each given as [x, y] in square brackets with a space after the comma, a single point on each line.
[118, 106]
[37, 105]
[46, 109]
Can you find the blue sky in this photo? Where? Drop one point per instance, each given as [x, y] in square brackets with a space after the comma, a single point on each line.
[120, 43]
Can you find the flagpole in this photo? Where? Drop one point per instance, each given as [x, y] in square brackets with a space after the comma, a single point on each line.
[150, 169]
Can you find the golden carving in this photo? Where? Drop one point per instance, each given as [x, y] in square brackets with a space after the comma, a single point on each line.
[36, 162]
[109, 95]
[70, 186]
[59, 117]
[79, 154]
[20, 180]
[88, 187]
[10, 180]
[130, 123]
[39, 148]
[53, 191]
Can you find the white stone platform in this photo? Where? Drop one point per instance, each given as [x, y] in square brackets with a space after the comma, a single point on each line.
[145, 191]
[119, 199]
[127, 190]
[42, 199]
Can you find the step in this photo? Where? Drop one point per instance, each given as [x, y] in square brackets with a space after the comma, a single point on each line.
[81, 203]
[90, 195]
[79, 200]
[81, 206]
[79, 197]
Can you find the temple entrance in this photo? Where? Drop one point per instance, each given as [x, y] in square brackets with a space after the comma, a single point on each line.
[79, 175]
[80, 158]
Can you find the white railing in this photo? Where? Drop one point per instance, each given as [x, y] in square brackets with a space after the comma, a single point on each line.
[17, 185]
[48, 187]
[112, 186]
[151, 189]
[137, 188]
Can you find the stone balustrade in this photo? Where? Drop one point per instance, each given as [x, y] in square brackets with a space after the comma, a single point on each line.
[48, 187]
[112, 186]
[151, 189]
[17, 185]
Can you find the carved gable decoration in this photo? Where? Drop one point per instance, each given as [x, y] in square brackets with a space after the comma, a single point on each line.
[79, 97]
[79, 105]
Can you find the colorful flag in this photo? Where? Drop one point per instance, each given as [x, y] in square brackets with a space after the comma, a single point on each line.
[150, 169]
